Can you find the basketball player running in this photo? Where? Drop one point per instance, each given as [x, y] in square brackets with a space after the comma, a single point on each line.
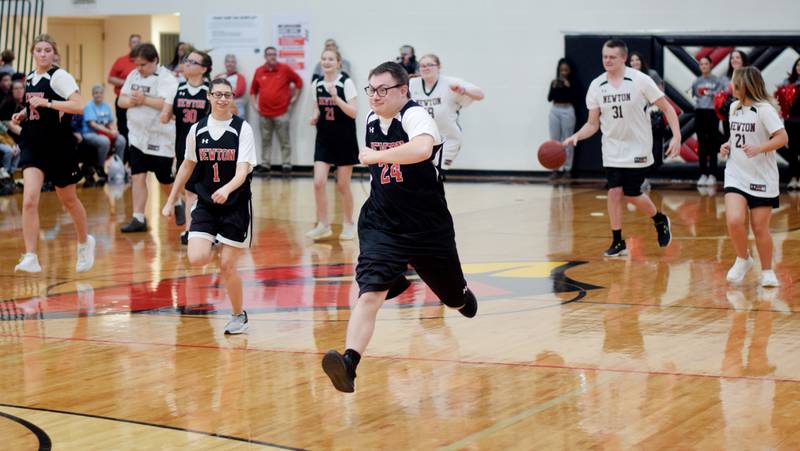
[190, 105]
[751, 174]
[404, 221]
[48, 152]
[617, 102]
[336, 143]
[220, 154]
[443, 97]
[144, 94]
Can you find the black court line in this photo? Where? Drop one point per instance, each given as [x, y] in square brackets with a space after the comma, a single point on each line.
[45, 444]
[142, 423]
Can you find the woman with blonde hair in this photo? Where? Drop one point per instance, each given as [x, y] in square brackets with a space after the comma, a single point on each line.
[751, 174]
[336, 144]
[48, 151]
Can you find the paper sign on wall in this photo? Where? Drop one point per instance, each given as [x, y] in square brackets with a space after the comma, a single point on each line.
[236, 32]
[290, 37]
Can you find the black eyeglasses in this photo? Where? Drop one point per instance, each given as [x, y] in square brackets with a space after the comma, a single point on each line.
[219, 95]
[381, 90]
[192, 62]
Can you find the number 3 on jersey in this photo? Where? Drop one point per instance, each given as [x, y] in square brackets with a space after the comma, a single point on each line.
[389, 172]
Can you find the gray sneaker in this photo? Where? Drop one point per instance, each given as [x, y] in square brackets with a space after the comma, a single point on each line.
[237, 324]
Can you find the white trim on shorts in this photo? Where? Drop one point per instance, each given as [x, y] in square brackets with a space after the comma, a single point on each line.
[202, 235]
[219, 238]
[231, 243]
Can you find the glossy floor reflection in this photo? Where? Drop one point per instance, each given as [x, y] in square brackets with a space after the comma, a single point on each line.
[568, 351]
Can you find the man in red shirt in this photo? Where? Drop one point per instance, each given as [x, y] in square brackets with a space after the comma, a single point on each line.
[116, 76]
[274, 89]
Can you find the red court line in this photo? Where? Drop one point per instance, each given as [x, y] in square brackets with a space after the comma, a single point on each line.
[411, 359]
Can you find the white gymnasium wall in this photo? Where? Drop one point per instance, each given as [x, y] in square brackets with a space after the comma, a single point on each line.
[509, 48]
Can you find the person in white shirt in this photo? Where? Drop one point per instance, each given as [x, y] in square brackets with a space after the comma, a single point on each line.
[443, 97]
[144, 94]
[220, 155]
[48, 152]
[617, 102]
[751, 173]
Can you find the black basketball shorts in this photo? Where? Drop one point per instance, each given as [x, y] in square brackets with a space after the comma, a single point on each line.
[378, 271]
[142, 163]
[228, 224]
[630, 179]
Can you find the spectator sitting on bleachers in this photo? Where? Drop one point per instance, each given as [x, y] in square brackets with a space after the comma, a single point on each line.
[99, 129]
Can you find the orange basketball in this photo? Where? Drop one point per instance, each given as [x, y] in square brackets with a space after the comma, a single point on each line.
[552, 154]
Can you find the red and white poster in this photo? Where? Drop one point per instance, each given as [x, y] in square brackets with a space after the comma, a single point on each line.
[290, 37]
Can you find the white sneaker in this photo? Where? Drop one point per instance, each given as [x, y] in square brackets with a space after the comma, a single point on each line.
[28, 263]
[85, 255]
[4, 174]
[320, 232]
[702, 181]
[348, 231]
[711, 181]
[794, 183]
[769, 279]
[739, 269]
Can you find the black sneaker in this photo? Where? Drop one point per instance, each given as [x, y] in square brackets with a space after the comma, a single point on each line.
[180, 214]
[617, 249]
[134, 226]
[185, 238]
[663, 230]
[470, 307]
[286, 170]
[336, 367]
[400, 285]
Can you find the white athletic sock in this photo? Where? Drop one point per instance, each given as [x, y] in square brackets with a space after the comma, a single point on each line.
[139, 216]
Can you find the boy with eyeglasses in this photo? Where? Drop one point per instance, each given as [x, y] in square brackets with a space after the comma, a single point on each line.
[404, 221]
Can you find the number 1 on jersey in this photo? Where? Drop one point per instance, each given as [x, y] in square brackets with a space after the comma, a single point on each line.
[216, 172]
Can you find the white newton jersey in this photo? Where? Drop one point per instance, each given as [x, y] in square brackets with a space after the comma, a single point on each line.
[443, 104]
[145, 130]
[624, 119]
[753, 125]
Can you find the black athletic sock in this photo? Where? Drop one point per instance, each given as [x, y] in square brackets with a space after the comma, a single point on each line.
[617, 235]
[658, 217]
[353, 357]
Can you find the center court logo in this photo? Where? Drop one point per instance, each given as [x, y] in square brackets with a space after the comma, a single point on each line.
[503, 286]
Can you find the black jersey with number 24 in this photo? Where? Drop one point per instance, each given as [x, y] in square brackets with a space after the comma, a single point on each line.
[406, 206]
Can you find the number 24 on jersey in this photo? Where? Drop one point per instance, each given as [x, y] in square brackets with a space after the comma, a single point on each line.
[389, 172]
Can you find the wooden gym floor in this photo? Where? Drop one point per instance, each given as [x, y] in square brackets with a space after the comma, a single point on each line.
[569, 350]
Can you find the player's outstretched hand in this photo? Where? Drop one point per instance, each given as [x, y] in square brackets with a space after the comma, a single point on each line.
[751, 150]
[220, 196]
[169, 209]
[674, 148]
[368, 156]
[571, 141]
[725, 149]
